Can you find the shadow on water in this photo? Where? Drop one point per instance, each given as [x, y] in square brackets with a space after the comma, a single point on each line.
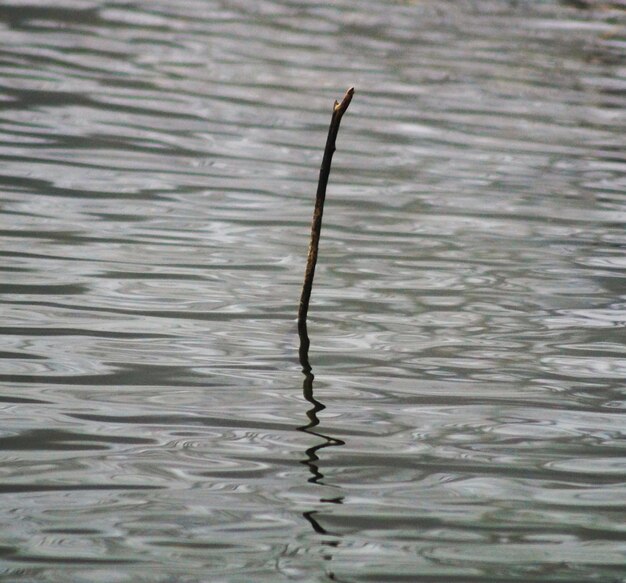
[312, 459]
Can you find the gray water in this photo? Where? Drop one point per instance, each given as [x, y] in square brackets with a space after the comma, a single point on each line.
[158, 167]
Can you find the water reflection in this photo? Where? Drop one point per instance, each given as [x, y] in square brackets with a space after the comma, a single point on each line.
[158, 160]
[312, 458]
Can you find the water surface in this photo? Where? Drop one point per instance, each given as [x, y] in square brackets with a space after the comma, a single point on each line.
[466, 419]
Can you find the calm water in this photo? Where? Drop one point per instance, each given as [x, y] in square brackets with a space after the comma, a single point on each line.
[158, 166]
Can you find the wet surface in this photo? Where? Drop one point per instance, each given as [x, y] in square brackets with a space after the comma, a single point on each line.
[466, 418]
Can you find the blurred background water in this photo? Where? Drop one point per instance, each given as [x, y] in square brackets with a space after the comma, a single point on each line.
[158, 167]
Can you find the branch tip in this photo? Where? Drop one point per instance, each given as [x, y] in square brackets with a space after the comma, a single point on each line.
[340, 108]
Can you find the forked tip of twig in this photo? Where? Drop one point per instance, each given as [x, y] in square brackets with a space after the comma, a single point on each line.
[340, 108]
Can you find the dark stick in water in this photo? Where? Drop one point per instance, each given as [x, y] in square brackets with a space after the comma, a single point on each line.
[316, 227]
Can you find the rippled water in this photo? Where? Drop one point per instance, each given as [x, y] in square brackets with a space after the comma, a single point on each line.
[158, 167]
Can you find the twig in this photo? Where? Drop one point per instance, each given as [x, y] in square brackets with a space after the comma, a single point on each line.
[316, 227]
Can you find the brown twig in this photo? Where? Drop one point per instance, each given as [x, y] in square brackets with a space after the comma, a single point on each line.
[316, 227]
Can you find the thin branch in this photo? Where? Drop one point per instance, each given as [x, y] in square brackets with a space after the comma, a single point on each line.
[316, 226]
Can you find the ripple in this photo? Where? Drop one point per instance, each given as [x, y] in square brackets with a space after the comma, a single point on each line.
[158, 173]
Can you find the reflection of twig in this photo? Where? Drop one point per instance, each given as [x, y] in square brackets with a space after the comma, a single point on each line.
[316, 226]
[307, 391]
[312, 459]
[317, 527]
[332, 543]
